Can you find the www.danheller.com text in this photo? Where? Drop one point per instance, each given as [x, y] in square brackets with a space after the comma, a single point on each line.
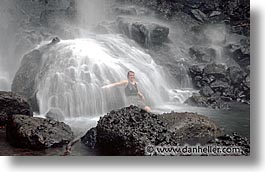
[193, 150]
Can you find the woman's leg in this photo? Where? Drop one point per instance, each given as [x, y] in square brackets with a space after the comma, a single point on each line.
[147, 108]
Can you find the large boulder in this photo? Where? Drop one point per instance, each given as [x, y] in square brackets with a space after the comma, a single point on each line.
[190, 126]
[214, 101]
[143, 32]
[129, 130]
[24, 82]
[37, 133]
[10, 104]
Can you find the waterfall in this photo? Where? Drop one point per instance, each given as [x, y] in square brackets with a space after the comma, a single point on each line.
[73, 72]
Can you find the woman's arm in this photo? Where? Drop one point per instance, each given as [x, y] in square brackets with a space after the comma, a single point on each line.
[141, 95]
[124, 82]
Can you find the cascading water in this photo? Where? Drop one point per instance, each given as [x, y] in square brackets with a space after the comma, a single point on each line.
[74, 71]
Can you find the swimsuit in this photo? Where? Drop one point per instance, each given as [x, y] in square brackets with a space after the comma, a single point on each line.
[131, 92]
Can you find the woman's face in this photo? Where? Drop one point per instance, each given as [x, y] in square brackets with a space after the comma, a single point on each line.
[131, 77]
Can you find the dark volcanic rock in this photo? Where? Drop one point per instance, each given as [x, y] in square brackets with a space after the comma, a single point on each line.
[214, 102]
[235, 12]
[236, 75]
[143, 32]
[90, 138]
[129, 130]
[196, 72]
[233, 140]
[190, 125]
[10, 104]
[219, 85]
[240, 52]
[37, 133]
[217, 70]
[199, 15]
[206, 91]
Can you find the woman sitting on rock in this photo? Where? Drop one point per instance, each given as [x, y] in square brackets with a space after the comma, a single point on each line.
[134, 97]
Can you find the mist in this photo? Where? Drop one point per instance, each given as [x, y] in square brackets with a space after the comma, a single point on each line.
[92, 12]
[7, 30]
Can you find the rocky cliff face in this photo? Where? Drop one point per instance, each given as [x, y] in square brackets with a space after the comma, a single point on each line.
[235, 13]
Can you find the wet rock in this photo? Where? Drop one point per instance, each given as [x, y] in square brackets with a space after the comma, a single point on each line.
[10, 104]
[229, 94]
[190, 125]
[196, 70]
[247, 81]
[143, 32]
[206, 91]
[217, 70]
[199, 15]
[37, 133]
[90, 138]
[240, 52]
[24, 82]
[214, 102]
[219, 85]
[129, 130]
[55, 40]
[236, 75]
[215, 13]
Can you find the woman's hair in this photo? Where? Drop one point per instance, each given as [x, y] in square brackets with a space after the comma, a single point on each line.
[129, 73]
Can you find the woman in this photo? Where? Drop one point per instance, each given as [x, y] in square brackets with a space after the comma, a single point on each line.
[134, 97]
